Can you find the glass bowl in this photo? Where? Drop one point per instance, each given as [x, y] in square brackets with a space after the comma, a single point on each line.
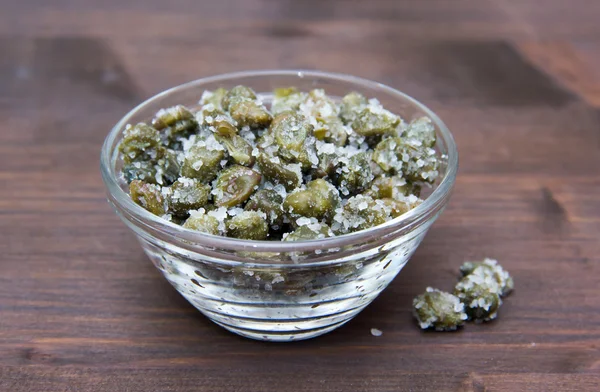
[272, 290]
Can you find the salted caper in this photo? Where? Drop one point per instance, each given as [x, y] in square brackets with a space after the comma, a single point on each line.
[200, 221]
[319, 200]
[287, 99]
[187, 194]
[140, 143]
[269, 202]
[249, 225]
[356, 175]
[239, 150]
[148, 196]
[309, 232]
[250, 113]
[202, 162]
[288, 175]
[237, 94]
[360, 212]
[407, 157]
[351, 105]
[234, 185]
[392, 187]
[374, 120]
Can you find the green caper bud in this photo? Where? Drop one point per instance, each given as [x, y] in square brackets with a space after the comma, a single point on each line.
[249, 225]
[287, 99]
[175, 123]
[331, 131]
[167, 166]
[319, 200]
[290, 132]
[187, 194]
[356, 175]
[326, 167]
[234, 185]
[351, 105]
[414, 161]
[397, 207]
[147, 196]
[480, 292]
[309, 232]
[439, 310]
[140, 143]
[236, 94]
[421, 129]
[211, 115]
[288, 175]
[269, 202]
[203, 162]
[238, 148]
[140, 170]
[394, 187]
[200, 221]
[491, 267]
[171, 116]
[374, 120]
[214, 97]
[224, 127]
[360, 212]
[250, 113]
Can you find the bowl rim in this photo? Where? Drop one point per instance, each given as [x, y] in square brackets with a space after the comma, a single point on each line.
[432, 203]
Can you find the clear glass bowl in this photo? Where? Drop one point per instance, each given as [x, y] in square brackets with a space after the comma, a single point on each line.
[280, 291]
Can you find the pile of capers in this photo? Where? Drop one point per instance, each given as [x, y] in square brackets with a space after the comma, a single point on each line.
[306, 167]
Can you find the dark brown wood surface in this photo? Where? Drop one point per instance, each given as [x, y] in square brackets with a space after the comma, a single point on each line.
[518, 83]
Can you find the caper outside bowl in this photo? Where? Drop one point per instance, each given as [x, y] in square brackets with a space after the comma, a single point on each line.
[280, 290]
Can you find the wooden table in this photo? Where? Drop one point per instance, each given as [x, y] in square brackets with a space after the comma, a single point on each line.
[518, 82]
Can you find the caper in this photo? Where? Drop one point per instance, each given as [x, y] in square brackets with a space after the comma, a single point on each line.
[290, 132]
[397, 207]
[240, 151]
[421, 129]
[250, 113]
[274, 170]
[234, 185]
[408, 157]
[319, 200]
[224, 127]
[202, 162]
[214, 97]
[140, 170]
[140, 143]
[175, 123]
[356, 175]
[393, 187]
[360, 212]
[237, 94]
[249, 225]
[373, 120]
[202, 222]
[269, 202]
[439, 310]
[493, 269]
[331, 131]
[287, 99]
[480, 293]
[187, 194]
[167, 166]
[309, 232]
[148, 196]
[351, 104]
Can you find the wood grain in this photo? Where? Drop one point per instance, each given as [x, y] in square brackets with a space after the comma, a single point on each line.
[82, 309]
